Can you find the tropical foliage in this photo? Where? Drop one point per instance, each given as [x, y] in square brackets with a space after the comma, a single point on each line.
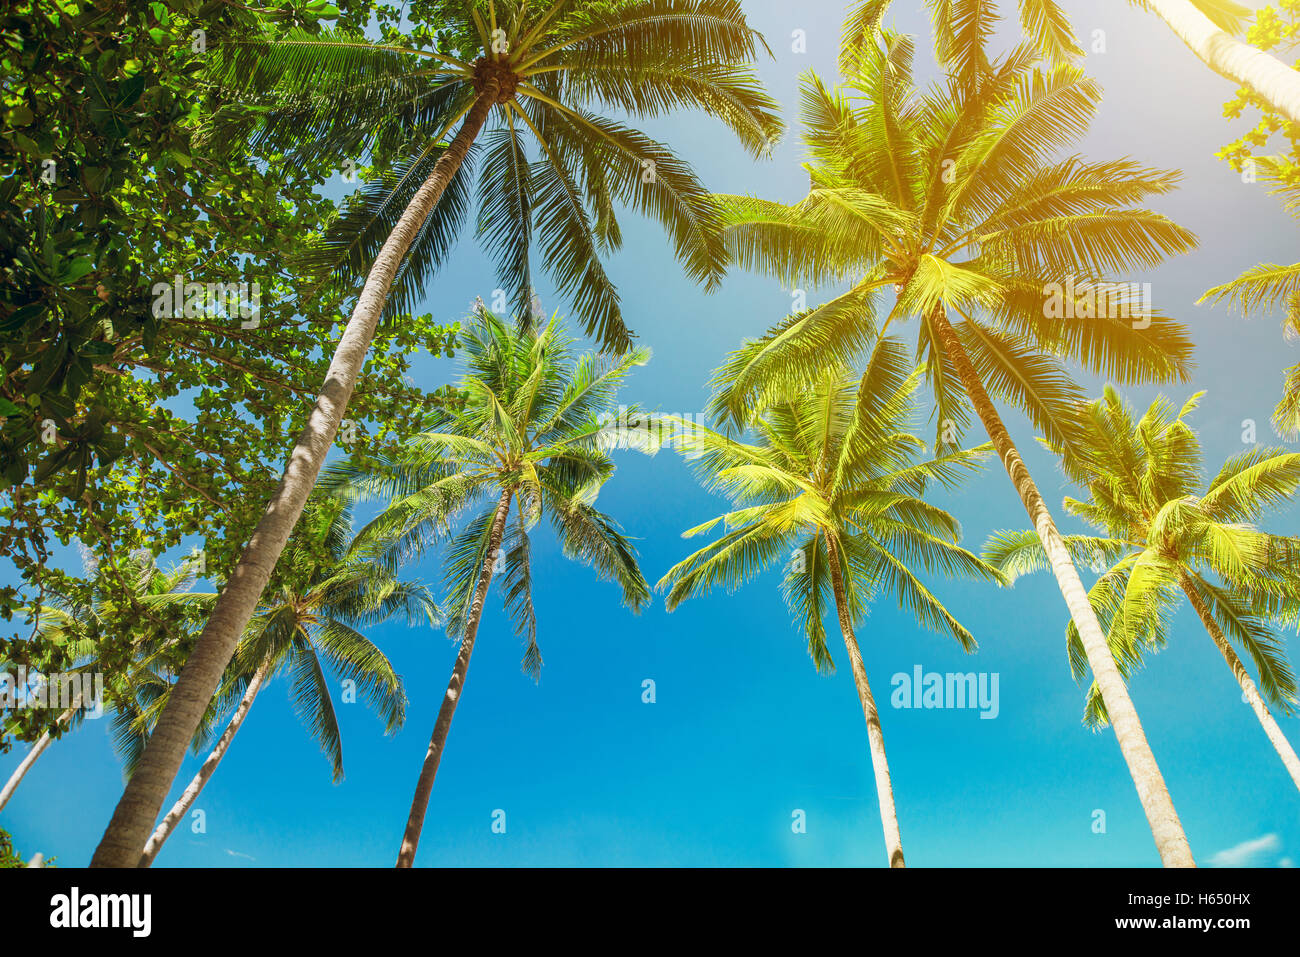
[536, 68]
[1274, 27]
[531, 437]
[8, 857]
[832, 487]
[952, 198]
[307, 631]
[1269, 287]
[1166, 535]
[219, 223]
[125, 421]
[549, 172]
[161, 613]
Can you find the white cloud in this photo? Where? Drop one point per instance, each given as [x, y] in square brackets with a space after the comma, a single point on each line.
[1246, 853]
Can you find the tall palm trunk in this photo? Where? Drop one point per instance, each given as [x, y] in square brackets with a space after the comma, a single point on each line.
[429, 770]
[1167, 830]
[1240, 62]
[208, 768]
[37, 750]
[140, 802]
[1253, 697]
[875, 736]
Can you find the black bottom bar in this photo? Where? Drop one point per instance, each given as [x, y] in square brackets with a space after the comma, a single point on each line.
[341, 906]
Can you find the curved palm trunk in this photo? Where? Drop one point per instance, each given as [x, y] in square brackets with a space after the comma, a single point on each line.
[1167, 830]
[37, 750]
[1275, 735]
[148, 787]
[429, 770]
[208, 768]
[875, 736]
[1240, 62]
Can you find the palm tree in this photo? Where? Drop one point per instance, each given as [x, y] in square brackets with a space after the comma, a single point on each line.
[77, 627]
[1268, 286]
[310, 625]
[528, 433]
[512, 74]
[951, 198]
[832, 479]
[1162, 537]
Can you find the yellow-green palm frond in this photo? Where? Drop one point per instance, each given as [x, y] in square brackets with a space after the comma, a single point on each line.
[834, 463]
[949, 469]
[726, 563]
[1045, 113]
[1019, 553]
[1265, 287]
[1130, 637]
[1261, 287]
[939, 283]
[1048, 26]
[1250, 482]
[1242, 625]
[806, 586]
[1287, 415]
[1034, 382]
[1093, 243]
[793, 355]
[885, 399]
[889, 573]
[887, 117]
[1127, 340]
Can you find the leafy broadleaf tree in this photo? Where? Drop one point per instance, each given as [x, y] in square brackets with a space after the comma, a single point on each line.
[303, 631]
[128, 417]
[533, 435]
[525, 80]
[8, 856]
[97, 166]
[832, 487]
[953, 199]
[1165, 535]
[1274, 27]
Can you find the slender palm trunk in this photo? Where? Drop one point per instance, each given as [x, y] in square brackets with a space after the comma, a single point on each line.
[37, 750]
[455, 687]
[1253, 697]
[1167, 830]
[140, 802]
[208, 768]
[1240, 62]
[875, 736]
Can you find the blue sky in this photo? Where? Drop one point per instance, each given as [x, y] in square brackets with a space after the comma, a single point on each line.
[743, 731]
